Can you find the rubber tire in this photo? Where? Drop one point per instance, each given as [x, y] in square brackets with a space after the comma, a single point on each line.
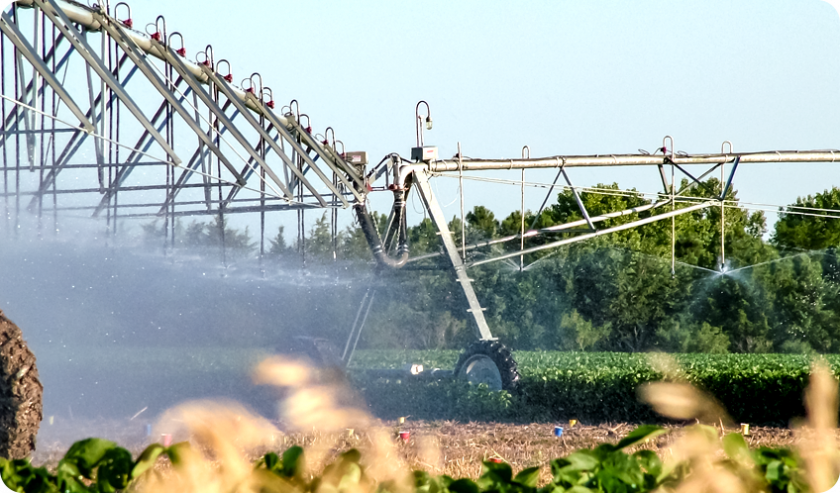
[500, 355]
[21, 393]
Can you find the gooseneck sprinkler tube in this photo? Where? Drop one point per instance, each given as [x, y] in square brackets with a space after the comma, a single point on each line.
[373, 239]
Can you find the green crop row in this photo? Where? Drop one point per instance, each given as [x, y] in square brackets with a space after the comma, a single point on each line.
[755, 388]
[100, 466]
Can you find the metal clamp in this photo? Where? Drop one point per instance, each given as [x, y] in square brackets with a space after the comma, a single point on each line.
[731, 148]
[526, 152]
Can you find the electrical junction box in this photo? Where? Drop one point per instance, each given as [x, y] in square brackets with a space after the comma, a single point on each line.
[425, 153]
[358, 158]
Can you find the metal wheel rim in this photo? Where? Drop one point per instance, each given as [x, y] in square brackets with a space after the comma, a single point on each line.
[482, 369]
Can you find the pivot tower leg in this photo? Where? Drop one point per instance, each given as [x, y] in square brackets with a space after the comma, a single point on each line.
[421, 180]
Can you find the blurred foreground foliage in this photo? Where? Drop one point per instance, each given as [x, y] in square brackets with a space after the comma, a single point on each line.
[95, 465]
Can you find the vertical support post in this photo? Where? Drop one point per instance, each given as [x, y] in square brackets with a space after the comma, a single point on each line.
[463, 219]
[673, 201]
[359, 331]
[3, 111]
[673, 225]
[421, 180]
[43, 124]
[522, 222]
[722, 222]
[334, 219]
[722, 208]
[21, 114]
[525, 150]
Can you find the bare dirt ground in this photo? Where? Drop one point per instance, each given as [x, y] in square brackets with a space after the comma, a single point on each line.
[438, 447]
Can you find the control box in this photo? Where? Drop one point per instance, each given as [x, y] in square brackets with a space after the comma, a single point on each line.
[358, 158]
[425, 154]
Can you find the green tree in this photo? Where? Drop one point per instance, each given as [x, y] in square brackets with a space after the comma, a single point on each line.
[579, 334]
[816, 231]
[278, 243]
[319, 240]
[483, 223]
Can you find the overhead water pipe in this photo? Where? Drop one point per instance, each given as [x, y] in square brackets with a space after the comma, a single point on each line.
[597, 160]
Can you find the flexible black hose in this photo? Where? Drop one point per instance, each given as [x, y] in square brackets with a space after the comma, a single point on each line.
[372, 237]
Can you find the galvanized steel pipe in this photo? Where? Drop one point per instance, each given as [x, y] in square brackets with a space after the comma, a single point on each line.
[598, 160]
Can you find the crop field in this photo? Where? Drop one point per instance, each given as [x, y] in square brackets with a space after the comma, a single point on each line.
[488, 454]
[598, 387]
[594, 387]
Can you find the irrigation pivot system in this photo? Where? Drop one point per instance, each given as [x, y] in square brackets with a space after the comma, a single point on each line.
[110, 119]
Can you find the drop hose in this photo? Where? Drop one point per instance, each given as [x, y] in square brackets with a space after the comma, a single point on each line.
[373, 239]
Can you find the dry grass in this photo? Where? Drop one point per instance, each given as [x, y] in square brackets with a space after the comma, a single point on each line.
[438, 447]
[318, 415]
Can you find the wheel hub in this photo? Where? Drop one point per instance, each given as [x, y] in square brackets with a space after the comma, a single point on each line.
[481, 369]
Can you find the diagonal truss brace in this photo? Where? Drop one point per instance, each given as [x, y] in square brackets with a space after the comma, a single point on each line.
[179, 67]
[421, 179]
[600, 232]
[305, 155]
[139, 60]
[60, 20]
[578, 200]
[225, 88]
[15, 36]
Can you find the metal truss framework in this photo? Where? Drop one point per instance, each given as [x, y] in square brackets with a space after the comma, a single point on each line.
[102, 120]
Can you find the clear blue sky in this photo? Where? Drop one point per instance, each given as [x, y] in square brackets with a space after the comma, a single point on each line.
[562, 77]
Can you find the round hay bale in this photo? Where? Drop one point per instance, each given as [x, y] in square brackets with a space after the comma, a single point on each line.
[20, 393]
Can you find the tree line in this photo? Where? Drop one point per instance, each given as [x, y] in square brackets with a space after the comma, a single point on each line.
[779, 292]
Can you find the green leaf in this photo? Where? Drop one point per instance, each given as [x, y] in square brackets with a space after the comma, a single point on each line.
[86, 454]
[640, 435]
[736, 448]
[146, 459]
[649, 461]
[582, 460]
[351, 455]
[579, 489]
[114, 470]
[178, 452]
[528, 477]
[293, 463]
[500, 470]
[270, 461]
[463, 486]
